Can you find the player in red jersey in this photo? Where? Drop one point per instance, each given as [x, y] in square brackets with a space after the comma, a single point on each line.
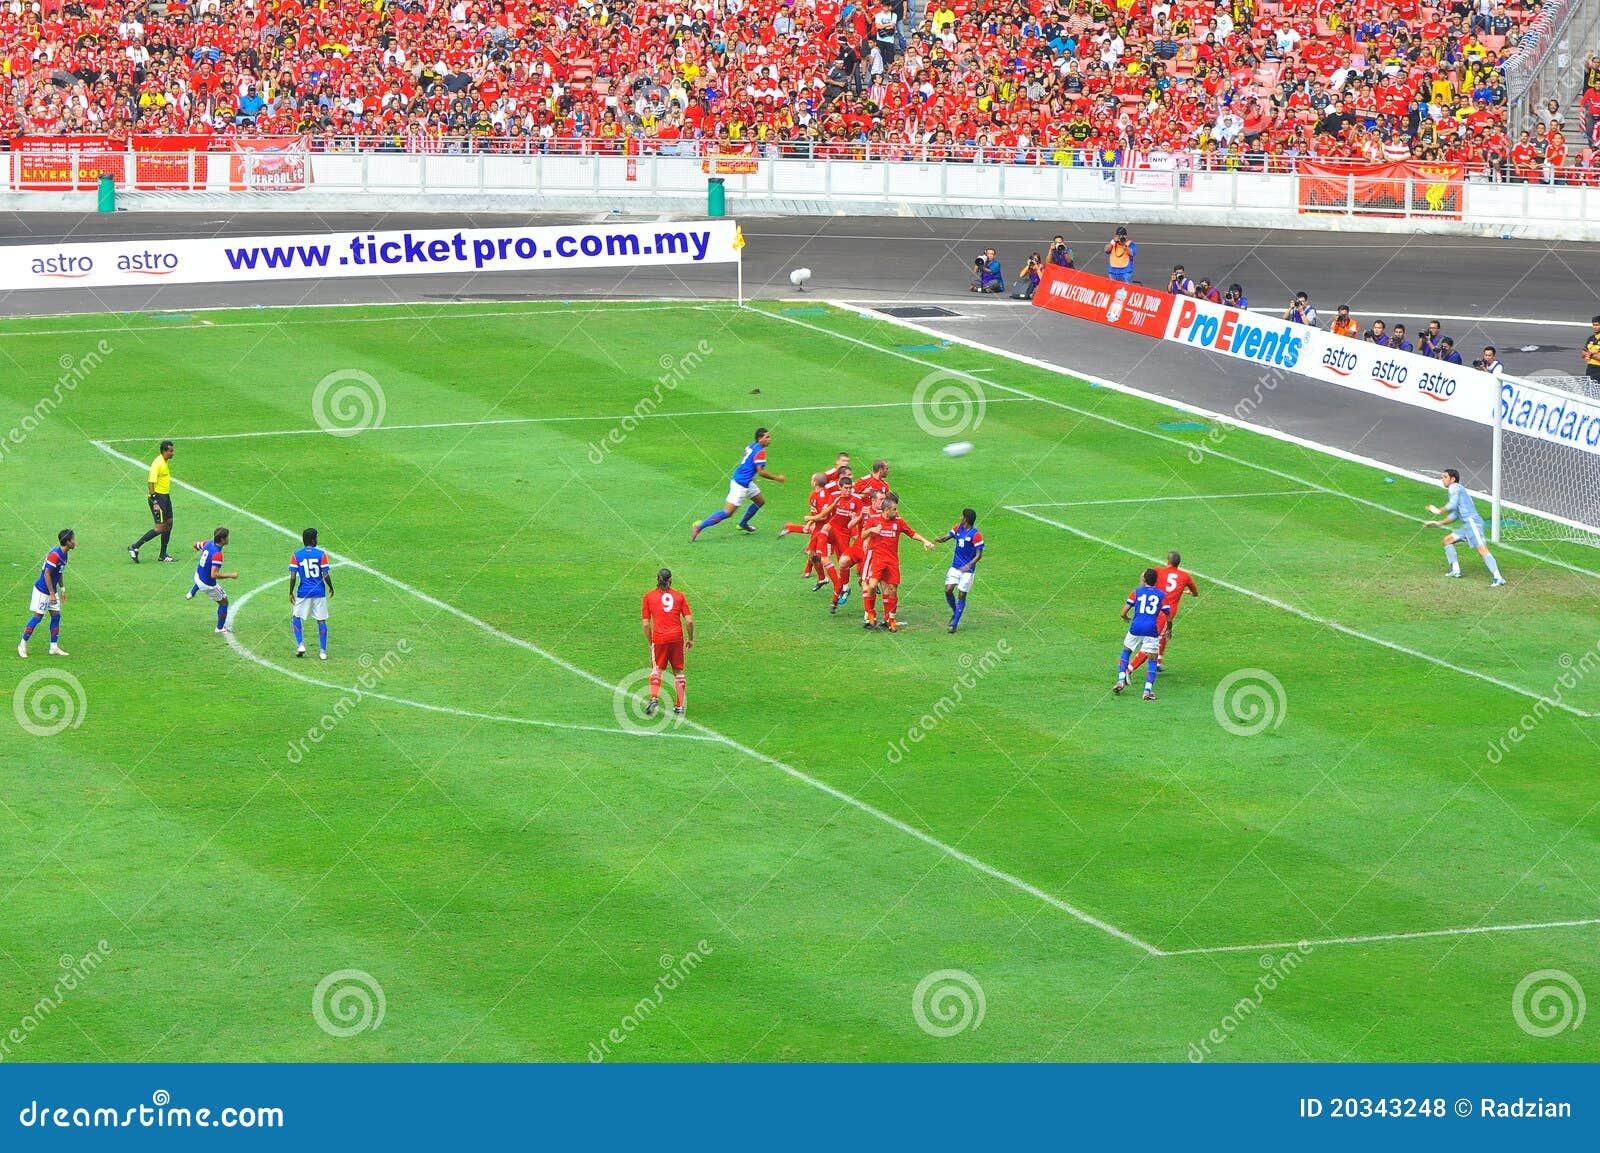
[815, 527]
[1173, 582]
[875, 481]
[841, 463]
[846, 512]
[669, 627]
[881, 534]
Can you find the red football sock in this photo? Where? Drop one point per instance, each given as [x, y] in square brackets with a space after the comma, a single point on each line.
[1138, 659]
[682, 686]
[890, 603]
[655, 684]
[838, 580]
[794, 528]
[869, 602]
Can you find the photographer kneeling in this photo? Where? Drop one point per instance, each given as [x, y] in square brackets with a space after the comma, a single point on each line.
[1028, 280]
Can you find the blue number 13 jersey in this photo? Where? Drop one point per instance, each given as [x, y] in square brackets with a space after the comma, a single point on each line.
[310, 564]
[1147, 612]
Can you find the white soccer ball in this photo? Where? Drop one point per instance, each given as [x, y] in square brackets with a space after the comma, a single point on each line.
[958, 448]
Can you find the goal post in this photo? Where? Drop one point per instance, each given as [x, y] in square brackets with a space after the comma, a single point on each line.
[1545, 466]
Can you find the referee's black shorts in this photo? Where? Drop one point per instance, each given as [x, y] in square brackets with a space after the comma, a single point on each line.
[161, 508]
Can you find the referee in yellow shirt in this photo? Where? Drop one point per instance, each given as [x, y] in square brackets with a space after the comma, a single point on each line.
[160, 484]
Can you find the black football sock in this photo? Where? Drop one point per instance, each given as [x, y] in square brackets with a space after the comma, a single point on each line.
[146, 538]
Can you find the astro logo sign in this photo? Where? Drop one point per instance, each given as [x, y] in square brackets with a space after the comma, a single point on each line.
[1340, 361]
[1241, 334]
[76, 266]
[1439, 386]
[1390, 374]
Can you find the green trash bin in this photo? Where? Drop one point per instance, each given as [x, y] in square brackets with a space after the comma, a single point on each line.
[108, 193]
[716, 197]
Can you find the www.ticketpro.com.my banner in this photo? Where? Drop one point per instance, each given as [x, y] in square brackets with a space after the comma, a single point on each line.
[110, 264]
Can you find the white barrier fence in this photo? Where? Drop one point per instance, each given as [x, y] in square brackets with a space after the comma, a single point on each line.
[796, 186]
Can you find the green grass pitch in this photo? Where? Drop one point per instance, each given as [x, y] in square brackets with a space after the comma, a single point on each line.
[516, 874]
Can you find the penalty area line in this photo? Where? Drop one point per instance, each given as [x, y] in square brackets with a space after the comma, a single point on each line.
[360, 693]
[1378, 938]
[1160, 499]
[615, 418]
[1334, 625]
[790, 771]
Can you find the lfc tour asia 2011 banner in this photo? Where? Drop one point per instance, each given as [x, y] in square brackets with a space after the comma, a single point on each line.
[1130, 307]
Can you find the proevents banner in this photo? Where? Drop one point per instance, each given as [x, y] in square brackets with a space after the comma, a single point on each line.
[1241, 333]
[397, 253]
[1130, 307]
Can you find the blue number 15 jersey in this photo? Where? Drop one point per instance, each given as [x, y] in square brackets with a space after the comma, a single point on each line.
[311, 564]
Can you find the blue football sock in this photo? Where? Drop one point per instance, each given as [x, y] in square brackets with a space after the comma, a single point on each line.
[299, 635]
[1494, 569]
[33, 623]
[748, 513]
[322, 635]
[1150, 675]
[715, 518]
[55, 627]
[961, 607]
[193, 588]
[222, 615]
[1122, 663]
[950, 599]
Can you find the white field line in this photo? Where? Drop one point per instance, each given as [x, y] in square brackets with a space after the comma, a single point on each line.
[614, 419]
[1160, 499]
[1166, 401]
[453, 312]
[1284, 606]
[1373, 938]
[772, 762]
[237, 646]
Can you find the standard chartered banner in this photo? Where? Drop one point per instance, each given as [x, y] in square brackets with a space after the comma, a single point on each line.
[207, 260]
[1536, 410]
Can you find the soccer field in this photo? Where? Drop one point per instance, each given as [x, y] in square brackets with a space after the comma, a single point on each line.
[1359, 823]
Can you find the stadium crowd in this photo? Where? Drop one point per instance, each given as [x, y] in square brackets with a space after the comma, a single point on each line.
[1228, 84]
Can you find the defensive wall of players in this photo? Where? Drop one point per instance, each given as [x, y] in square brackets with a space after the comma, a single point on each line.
[636, 184]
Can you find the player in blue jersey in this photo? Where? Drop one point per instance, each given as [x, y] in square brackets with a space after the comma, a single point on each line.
[963, 565]
[1150, 616]
[310, 586]
[48, 594]
[209, 571]
[743, 485]
[1460, 511]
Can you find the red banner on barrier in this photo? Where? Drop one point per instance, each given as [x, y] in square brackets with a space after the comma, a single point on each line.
[1126, 306]
[269, 164]
[170, 163]
[732, 160]
[45, 163]
[1367, 189]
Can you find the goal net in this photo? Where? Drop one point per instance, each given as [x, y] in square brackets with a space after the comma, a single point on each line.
[1546, 483]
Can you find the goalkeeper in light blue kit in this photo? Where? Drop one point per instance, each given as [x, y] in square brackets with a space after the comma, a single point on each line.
[1460, 511]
